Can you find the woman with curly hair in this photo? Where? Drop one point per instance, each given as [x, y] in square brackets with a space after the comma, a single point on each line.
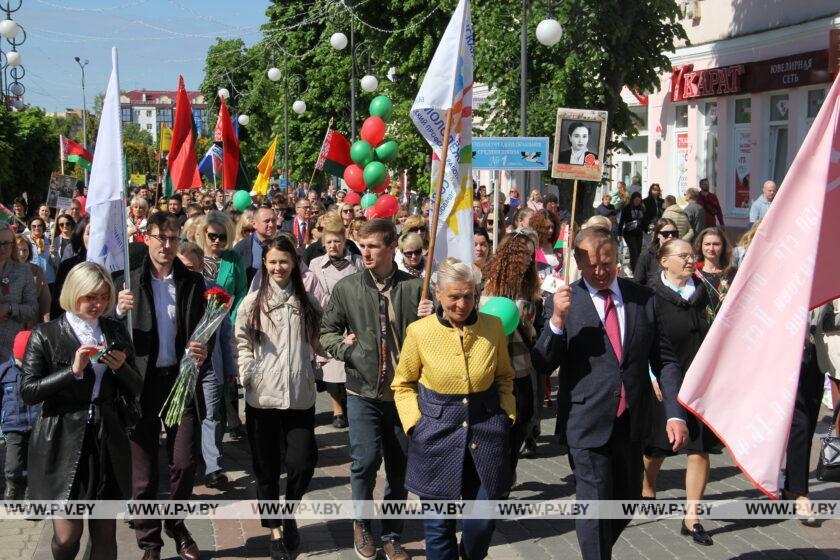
[512, 273]
[547, 227]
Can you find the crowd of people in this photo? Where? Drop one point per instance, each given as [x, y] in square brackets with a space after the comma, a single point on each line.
[325, 300]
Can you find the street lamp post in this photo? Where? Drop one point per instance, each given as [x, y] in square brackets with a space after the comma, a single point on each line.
[11, 62]
[299, 107]
[369, 82]
[84, 109]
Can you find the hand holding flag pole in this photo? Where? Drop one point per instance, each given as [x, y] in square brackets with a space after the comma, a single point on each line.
[436, 214]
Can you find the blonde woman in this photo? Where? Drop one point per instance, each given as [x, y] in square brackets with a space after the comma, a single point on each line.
[23, 254]
[79, 448]
[535, 201]
[410, 256]
[244, 225]
[137, 218]
[222, 265]
[740, 250]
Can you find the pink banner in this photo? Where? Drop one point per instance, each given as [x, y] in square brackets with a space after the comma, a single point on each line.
[743, 381]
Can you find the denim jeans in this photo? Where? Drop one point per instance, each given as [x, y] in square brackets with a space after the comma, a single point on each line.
[441, 541]
[375, 432]
[17, 445]
[211, 426]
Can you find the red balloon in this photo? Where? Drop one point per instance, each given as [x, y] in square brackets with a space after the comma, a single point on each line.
[371, 214]
[373, 131]
[354, 177]
[384, 186]
[387, 205]
[352, 198]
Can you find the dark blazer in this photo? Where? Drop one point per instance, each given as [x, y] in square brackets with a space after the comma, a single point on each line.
[590, 375]
[56, 439]
[189, 308]
[245, 249]
[565, 156]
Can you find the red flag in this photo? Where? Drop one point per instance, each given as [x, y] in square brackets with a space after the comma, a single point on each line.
[230, 145]
[335, 154]
[183, 167]
[742, 383]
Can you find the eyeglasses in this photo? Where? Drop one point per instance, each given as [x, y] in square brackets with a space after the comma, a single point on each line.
[213, 237]
[164, 239]
[685, 256]
[304, 208]
[63, 224]
[669, 233]
[416, 253]
[416, 229]
[39, 226]
[347, 211]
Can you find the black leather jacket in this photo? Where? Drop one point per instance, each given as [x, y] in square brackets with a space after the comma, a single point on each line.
[56, 442]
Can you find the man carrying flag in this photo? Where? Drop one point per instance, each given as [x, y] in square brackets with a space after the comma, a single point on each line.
[791, 267]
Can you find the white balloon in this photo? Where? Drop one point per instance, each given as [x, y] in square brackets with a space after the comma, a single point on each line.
[299, 106]
[224, 93]
[244, 120]
[274, 74]
[14, 58]
[370, 83]
[338, 41]
[9, 29]
[549, 32]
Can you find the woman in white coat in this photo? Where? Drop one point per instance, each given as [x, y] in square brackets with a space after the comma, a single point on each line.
[336, 264]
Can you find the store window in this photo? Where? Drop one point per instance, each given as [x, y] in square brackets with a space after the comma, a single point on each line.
[681, 113]
[815, 100]
[742, 152]
[126, 114]
[779, 110]
[708, 165]
[681, 151]
[631, 163]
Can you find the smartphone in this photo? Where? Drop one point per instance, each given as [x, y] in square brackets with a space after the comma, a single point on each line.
[109, 348]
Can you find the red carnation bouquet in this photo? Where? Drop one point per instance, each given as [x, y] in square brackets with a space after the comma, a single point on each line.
[218, 303]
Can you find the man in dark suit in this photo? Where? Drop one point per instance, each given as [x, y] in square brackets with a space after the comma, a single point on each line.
[300, 225]
[250, 248]
[602, 333]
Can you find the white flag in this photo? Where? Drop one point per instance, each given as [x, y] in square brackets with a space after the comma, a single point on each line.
[448, 85]
[105, 204]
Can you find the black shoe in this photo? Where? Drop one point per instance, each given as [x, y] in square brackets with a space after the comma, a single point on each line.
[291, 536]
[339, 421]
[215, 479]
[529, 448]
[278, 550]
[238, 433]
[184, 544]
[697, 533]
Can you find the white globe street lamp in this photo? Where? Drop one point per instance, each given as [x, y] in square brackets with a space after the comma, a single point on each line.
[224, 93]
[14, 58]
[9, 29]
[370, 83]
[299, 106]
[338, 41]
[244, 120]
[274, 74]
[549, 32]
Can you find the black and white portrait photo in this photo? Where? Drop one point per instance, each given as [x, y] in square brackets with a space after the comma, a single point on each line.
[579, 139]
[579, 144]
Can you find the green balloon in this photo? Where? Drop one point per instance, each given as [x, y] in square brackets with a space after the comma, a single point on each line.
[381, 106]
[506, 310]
[368, 200]
[242, 200]
[375, 174]
[361, 153]
[386, 151]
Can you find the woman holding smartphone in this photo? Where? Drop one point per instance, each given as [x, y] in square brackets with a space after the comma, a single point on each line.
[81, 368]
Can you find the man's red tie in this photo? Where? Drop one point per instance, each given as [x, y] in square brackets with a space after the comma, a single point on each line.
[614, 334]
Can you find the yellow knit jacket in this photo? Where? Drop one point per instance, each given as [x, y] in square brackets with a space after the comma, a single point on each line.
[436, 356]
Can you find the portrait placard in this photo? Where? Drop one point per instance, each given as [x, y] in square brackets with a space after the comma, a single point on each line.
[60, 193]
[579, 144]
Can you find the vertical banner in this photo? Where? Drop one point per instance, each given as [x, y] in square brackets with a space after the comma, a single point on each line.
[743, 163]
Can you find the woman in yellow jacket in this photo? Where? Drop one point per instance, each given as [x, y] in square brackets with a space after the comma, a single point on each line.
[453, 390]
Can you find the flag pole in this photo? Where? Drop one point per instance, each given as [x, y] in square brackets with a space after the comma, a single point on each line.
[496, 215]
[315, 170]
[127, 269]
[569, 248]
[436, 215]
[61, 152]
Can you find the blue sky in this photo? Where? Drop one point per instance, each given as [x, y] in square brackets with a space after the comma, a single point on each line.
[157, 41]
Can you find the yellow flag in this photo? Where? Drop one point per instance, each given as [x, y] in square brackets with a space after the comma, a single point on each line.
[265, 167]
[165, 138]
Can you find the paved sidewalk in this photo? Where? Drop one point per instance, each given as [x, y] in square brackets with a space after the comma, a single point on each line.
[546, 477]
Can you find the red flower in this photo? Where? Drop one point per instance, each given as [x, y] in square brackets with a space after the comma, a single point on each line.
[218, 295]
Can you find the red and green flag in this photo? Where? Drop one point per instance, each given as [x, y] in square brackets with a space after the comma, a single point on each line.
[183, 167]
[335, 154]
[6, 214]
[74, 152]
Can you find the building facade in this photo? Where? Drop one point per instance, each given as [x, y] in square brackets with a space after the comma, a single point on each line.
[149, 109]
[739, 101]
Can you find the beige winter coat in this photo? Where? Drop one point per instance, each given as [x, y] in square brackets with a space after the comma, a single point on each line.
[677, 214]
[277, 371]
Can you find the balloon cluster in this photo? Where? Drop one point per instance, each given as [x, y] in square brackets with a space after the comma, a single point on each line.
[368, 171]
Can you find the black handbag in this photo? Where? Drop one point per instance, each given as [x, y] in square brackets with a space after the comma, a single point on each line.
[129, 411]
[828, 463]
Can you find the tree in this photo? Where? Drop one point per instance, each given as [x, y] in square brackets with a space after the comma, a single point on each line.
[28, 153]
[606, 45]
[133, 133]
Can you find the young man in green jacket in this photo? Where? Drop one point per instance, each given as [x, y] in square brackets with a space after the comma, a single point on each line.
[364, 325]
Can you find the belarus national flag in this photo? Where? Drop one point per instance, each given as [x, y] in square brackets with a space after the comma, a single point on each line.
[74, 152]
[335, 154]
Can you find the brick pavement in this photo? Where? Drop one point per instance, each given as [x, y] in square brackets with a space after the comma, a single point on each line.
[545, 477]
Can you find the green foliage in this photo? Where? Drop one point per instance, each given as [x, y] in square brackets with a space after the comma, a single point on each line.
[133, 133]
[28, 153]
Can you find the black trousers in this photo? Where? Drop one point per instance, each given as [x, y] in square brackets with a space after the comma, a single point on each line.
[17, 446]
[634, 247]
[281, 438]
[610, 472]
[181, 450]
[806, 412]
[523, 391]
